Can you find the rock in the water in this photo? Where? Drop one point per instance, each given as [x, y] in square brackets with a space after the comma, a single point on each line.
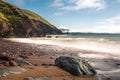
[75, 66]
[41, 78]
[11, 70]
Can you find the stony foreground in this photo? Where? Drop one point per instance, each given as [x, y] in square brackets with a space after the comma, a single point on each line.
[43, 56]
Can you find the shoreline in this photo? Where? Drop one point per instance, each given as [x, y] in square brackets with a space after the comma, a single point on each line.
[66, 42]
[105, 64]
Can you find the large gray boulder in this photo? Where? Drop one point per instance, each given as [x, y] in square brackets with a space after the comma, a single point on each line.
[75, 66]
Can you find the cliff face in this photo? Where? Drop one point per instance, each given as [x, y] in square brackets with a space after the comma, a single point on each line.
[15, 22]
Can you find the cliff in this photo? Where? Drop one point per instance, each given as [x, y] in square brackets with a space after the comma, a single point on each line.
[16, 22]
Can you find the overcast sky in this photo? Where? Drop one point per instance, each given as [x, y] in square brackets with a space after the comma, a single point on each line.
[77, 15]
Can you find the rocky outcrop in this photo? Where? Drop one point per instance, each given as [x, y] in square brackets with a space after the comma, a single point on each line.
[15, 22]
[75, 66]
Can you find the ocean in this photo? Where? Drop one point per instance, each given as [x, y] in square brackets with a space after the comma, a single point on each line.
[102, 42]
[97, 42]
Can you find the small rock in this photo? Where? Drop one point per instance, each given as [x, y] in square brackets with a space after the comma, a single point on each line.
[13, 63]
[29, 78]
[64, 79]
[35, 64]
[23, 56]
[32, 53]
[51, 57]
[6, 63]
[22, 61]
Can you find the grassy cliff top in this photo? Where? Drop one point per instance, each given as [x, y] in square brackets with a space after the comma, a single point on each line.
[10, 12]
[32, 15]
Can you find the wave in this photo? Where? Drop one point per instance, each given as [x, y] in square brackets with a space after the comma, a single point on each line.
[93, 44]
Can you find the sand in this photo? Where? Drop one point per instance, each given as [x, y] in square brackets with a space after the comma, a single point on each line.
[43, 55]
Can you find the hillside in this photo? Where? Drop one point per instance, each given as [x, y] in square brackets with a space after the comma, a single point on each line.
[16, 22]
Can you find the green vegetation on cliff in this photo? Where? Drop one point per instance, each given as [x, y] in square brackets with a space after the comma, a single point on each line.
[35, 16]
[16, 22]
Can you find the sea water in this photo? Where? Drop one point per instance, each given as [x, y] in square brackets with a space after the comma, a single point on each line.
[109, 43]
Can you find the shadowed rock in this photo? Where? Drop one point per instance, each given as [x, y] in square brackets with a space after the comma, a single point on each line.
[4, 57]
[75, 66]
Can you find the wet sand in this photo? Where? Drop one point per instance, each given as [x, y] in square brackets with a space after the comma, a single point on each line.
[43, 56]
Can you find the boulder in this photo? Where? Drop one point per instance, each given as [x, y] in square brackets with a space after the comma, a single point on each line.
[75, 66]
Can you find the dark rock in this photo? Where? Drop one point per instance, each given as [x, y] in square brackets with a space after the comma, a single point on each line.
[75, 66]
[28, 78]
[13, 63]
[118, 64]
[5, 63]
[35, 64]
[23, 56]
[6, 58]
[32, 53]
[45, 64]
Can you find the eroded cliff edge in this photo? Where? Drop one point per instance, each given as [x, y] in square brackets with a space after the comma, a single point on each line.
[16, 22]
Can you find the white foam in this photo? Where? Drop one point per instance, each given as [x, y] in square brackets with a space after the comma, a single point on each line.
[80, 43]
[92, 55]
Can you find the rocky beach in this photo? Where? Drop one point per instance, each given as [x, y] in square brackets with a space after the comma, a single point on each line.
[59, 40]
[40, 60]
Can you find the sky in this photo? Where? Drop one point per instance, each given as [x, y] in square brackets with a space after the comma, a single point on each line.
[100, 16]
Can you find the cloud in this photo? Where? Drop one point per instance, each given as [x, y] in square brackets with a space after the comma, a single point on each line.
[110, 25]
[58, 3]
[118, 1]
[79, 4]
[112, 21]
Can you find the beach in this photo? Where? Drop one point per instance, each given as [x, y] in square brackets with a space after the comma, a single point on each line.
[43, 55]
